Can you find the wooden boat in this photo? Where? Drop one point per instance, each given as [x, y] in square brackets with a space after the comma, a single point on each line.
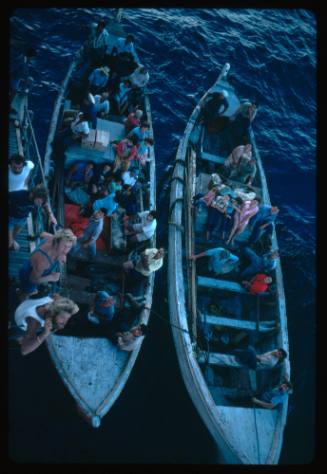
[220, 307]
[93, 369]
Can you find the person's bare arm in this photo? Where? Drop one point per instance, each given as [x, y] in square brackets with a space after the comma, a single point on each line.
[39, 264]
[263, 404]
[30, 342]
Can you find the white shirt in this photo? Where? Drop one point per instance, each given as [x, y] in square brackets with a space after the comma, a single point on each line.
[268, 359]
[128, 178]
[17, 181]
[139, 79]
[101, 106]
[149, 227]
[28, 309]
[82, 127]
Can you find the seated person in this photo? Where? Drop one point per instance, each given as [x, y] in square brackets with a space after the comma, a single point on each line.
[142, 132]
[262, 222]
[221, 260]
[150, 260]
[133, 120]
[130, 340]
[233, 159]
[102, 104]
[127, 199]
[258, 284]
[98, 79]
[129, 177]
[267, 360]
[143, 153]
[145, 229]
[115, 184]
[80, 175]
[246, 111]
[102, 309]
[124, 45]
[245, 171]
[140, 77]
[100, 181]
[122, 97]
[274, 397]
[257, 264]
[110, 203]
[40, 317]
[126, 150]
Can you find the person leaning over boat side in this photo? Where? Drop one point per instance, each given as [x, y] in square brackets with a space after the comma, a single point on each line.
[130, 340]
[262, 222]
[98, 80]
[242, 216]
[150, 260]
[44, 263]
[144, 230]
[102, 104]
[19, 173]
[264, 263]
[21, 203]
[91, 234]
[276, 396]
[39, 317]
[221, 260]
[258, 284]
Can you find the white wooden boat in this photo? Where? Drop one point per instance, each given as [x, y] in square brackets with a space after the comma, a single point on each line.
[243, 434]
[93, 369]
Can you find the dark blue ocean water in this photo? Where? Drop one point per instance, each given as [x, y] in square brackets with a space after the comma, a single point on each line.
[273, 59]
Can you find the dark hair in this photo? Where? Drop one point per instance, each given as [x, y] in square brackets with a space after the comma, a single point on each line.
[144, 329]
[149, 140]
[17, 158]
[104, 210]
[40, 191]
[85, 117]
[133, 138]
[145, 124]
[130, 37]
[284, 353]
[153, 214]
[101, 23]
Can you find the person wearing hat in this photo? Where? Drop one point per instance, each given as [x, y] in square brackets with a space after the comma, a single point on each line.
[102, 309]
[98, 79]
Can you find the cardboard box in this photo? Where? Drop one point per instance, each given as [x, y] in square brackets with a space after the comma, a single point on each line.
[102, 140]
[89, 141]
[96, 140]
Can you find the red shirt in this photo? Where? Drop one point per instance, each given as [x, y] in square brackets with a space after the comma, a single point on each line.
[131, 122]
[258, 285]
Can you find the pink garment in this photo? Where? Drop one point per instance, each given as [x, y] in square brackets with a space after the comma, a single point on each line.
[123, 151]
[247, 210]
[209, 197]
[236, 154]
[131, 122]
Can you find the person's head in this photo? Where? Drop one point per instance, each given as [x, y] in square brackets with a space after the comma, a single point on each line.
[61, 310]
[152, 215]
[149, 141]
[144, 126]
[103, 299]
[104, 96]
[139, 330]
[132, 140]
[17, 163]
[64, 239]
[286, 386]
[281, 353]
[138, 113]
[39, 194]
[101, 25]
[274, 210]
[100, 213]
[160, 253]
[129, 39]
[268, 280]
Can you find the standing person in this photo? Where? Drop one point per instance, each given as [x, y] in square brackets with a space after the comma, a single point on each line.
[258, 284]
[46, 260]
[257, 264]
[21, 203]
[19, 173]
[37, 318]
[242, 216]
[262, 222]
[91, 234]
[221, 260]
[98, 43]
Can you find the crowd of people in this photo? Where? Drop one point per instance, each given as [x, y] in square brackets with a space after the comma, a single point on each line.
[110, 81]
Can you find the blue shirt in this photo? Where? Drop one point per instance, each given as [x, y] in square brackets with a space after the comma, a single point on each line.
[268, 263]
[274, 396]
[140, 136]
[98, 78]
[218, 264]
[123, 47]
[263, 216]
[107, 202]
[106, 311]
